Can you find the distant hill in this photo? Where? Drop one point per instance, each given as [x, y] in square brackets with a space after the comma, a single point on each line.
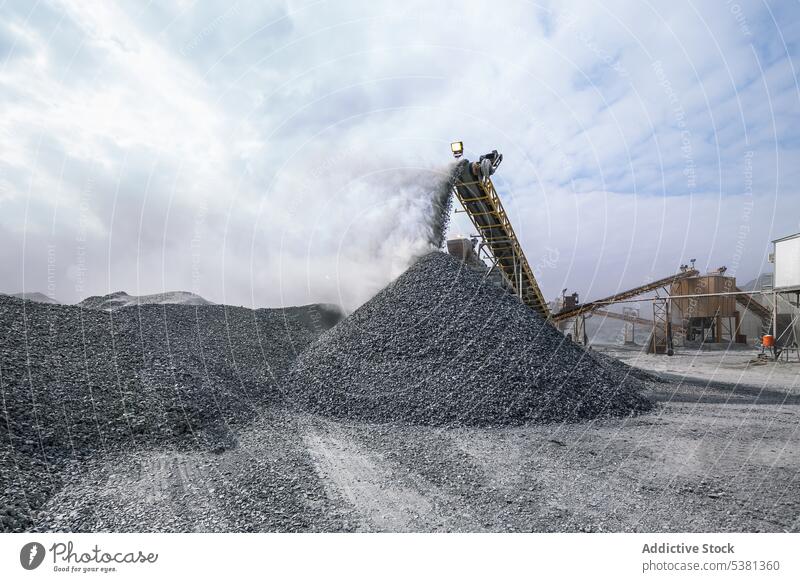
[120, 299]
[758, 283]
[35, 296]
[607, 331]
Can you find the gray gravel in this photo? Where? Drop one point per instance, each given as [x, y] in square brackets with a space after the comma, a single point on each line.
[76, 382]
[438, 347]
[442, 346]
[698, 467]
[267, 483]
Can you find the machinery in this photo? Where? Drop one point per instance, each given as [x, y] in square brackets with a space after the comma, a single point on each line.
[474, 188]
[660, 341]
[476, 192]
[498, 243]
[583, 308]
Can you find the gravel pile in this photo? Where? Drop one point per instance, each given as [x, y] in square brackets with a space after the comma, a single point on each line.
[442, 346]
[120, 299]
[75, 381]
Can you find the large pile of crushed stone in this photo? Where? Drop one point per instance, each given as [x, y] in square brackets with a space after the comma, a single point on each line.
[120, 299]
[441, 345]
[77, 381]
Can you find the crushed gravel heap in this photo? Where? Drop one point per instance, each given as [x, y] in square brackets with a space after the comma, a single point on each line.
[443, 346]
[77, 381]
[120, 299]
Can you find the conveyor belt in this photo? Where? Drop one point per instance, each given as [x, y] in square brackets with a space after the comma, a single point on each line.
[481, 202]
[629, 294]
[622, 317]
[750, 303]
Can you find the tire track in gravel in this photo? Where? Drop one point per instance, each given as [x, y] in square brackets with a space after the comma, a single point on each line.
[144, 491]
[293, 472]
[382, 497]
[266, 483]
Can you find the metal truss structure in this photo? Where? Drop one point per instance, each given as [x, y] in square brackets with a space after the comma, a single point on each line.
[482, 204]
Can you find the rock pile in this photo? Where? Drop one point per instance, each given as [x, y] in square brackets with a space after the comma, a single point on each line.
[74, 381]
[443, 346]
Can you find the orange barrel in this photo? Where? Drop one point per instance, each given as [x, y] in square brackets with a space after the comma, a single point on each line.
[768, 341]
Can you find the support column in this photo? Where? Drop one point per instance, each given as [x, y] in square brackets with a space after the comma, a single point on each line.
[775, 323]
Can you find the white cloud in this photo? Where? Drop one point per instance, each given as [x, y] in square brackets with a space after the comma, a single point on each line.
[185, 142]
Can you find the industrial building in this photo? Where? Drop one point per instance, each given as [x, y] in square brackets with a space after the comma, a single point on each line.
[786, 296]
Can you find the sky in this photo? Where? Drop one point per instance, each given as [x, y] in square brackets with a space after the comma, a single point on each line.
[279, 153]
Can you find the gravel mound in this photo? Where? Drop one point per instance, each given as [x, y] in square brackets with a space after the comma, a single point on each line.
[120, 299]
[443, 346]
[77, 381]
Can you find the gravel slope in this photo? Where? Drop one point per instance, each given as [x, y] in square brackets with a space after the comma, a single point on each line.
[120, 299]
[76, 381]
[443, 346]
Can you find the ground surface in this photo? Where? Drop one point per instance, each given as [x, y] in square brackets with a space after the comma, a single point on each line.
[739, 365]
[711, 457]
